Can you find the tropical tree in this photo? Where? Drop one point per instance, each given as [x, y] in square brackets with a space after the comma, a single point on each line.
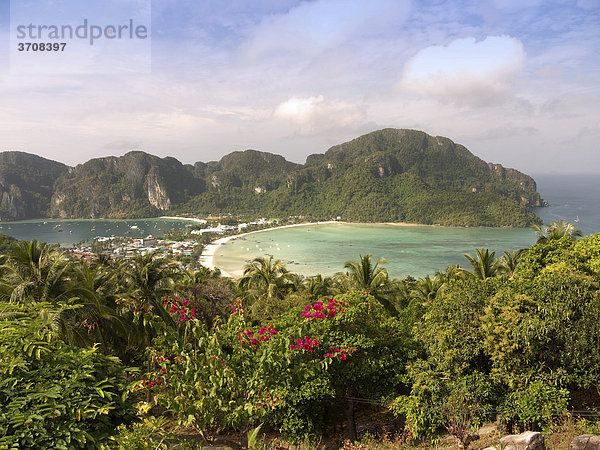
[508, 262]
[426, 289]
[484, 264]
[148, 278]
[265, 278]
[103, 323]
[37, 273]
[320, 286]
[372, 279]
[556, 230]
[206, 291]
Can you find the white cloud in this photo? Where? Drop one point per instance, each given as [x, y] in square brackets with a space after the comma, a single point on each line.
[466, 72]
[312, 115]
[316, 26]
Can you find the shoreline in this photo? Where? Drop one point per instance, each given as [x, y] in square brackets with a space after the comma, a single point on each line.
[207, 257]
[189, 219]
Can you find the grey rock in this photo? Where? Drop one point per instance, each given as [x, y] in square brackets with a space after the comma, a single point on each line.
[585, 442]
[529, 440]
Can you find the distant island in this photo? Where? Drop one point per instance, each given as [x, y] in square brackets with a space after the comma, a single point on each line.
[390, 175]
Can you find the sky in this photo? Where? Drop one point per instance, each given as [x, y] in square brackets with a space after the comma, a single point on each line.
[515, 81]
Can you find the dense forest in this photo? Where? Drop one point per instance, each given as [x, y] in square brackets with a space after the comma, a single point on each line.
[143, 352]
[386, 176]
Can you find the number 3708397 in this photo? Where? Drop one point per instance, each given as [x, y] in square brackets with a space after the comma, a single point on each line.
[41, 46]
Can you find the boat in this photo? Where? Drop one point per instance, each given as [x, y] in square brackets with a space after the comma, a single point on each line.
[577, 219]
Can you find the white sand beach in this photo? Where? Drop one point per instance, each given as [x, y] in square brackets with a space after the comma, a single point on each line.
[208, 254]
[191, 219]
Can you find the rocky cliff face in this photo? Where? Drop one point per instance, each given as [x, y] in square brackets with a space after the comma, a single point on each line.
[26, 185]
[132, 185]
[157, 192]
[527, 187]
[386, 175]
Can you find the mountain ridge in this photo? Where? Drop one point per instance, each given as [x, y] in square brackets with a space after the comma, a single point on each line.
[386, 175]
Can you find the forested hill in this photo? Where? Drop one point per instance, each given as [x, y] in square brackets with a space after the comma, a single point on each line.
[386, 175]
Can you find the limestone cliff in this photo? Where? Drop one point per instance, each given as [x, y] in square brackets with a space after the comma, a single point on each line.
[384, 176]
[26, 185]
[136, 184]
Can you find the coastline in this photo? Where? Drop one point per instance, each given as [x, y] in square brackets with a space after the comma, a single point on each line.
[207, 258]
[190, 219]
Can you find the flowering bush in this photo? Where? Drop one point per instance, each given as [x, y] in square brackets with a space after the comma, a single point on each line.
[322, 312]
[239, 374]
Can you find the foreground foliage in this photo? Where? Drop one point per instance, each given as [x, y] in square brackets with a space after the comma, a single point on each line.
[515, 338]
[54, 395]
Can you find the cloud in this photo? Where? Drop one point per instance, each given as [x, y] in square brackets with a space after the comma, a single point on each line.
[466, 72]
[507, 131]
[313, 115]
[313, 27]
[123, 145]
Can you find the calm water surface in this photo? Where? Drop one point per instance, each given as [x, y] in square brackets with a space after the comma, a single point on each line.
[74, 231]
[415, 251]
[324, 249]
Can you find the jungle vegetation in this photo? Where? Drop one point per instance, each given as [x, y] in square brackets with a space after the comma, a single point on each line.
[108, 353]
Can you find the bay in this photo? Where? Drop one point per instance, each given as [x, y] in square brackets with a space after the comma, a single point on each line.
[409, 250]
[75, 231]
[309, 250]
[412, 250]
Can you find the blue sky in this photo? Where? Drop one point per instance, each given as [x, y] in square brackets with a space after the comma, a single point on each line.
[516, 81]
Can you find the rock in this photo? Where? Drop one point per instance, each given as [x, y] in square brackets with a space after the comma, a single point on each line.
[529, 440]
[585, 442]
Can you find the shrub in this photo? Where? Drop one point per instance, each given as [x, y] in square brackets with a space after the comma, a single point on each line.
[53, 395]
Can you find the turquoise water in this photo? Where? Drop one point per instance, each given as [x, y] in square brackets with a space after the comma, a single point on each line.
[409, 250]
[324, 249]
[415, 251]
[74, 231]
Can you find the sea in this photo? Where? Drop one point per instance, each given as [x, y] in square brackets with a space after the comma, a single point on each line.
[69, 233]
[324, 248]
[412, 250]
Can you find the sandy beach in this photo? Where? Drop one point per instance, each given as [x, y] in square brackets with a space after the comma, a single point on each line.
[208, 254]
[191, 219]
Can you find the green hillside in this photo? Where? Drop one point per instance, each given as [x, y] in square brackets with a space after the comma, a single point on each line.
[389, 175]
[26, 185]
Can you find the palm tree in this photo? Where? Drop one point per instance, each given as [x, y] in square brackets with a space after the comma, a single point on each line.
[36, 273]
[484, 264]
[103, 323]
[319, 286]
[426, 289]
[556, 230]
[265, 278]
[150, 277]
[508, 262]
[372, 279]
